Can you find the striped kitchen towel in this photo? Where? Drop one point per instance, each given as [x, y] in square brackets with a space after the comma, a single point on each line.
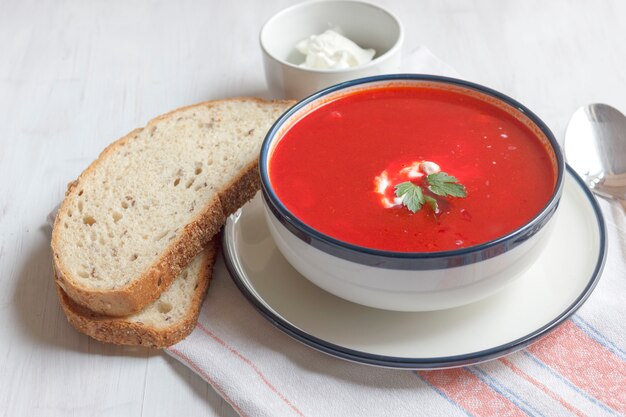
[577, 370]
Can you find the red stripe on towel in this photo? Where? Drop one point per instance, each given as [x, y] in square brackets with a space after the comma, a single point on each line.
[542, 387]
[586, 363]
[252, 365]
[469, 392]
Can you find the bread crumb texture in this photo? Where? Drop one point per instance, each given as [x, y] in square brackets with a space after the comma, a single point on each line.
[127, 207]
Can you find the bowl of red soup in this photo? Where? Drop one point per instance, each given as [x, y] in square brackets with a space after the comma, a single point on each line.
[410, 192]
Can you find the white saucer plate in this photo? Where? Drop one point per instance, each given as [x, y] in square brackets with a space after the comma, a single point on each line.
[555, 286]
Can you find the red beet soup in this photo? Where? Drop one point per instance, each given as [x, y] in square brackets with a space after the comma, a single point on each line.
[412, 169]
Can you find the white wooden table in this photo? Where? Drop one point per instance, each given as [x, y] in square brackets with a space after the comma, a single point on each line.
[75, 75]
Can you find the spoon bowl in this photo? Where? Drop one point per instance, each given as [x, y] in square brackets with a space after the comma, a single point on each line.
[595, 146]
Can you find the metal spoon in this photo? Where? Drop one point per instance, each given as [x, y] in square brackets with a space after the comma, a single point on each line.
[595, 146]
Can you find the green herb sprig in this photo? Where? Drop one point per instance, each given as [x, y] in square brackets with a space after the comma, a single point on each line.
[440, 184]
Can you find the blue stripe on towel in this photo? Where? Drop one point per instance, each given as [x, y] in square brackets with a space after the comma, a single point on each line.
[598, 337]
[443, 395]
[505, 392]
[569, 384]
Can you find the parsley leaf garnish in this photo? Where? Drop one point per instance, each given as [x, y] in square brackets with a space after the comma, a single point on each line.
[432, 203]
[412, 195]
[440, 184]
[445, 185]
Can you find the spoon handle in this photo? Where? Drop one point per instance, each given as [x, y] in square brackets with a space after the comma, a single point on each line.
[615, 181]
[611, 186]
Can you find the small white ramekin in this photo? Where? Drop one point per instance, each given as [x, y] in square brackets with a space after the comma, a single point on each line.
[417, 281]
[368, 25]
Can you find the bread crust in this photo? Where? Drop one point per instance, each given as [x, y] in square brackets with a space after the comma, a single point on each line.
[242, 189]
[135, 295]
[121, 331]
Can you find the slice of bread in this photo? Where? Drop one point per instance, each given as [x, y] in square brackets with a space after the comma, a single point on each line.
[138, 214]
[166, 321]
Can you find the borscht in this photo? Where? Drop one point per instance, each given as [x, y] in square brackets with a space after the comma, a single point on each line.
[412, 169]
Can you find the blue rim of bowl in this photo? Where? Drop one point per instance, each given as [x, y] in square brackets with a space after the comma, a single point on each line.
[435, 362]
[409, 260]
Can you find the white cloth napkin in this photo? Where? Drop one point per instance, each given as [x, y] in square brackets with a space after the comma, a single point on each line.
[578, 370]
[422, 61]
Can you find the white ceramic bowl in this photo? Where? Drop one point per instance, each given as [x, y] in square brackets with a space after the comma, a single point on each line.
[368, 25]
[417, 281]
